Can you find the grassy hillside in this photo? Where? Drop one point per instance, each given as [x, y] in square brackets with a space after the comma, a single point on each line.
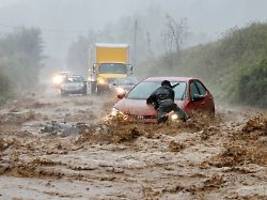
[20, 61]
[235, 67]
[5, 91]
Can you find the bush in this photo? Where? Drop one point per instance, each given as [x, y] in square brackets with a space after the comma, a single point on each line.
[233, 67]
[21, 56]
[5, 88]
[253, 85]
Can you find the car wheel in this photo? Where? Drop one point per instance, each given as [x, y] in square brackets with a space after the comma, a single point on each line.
[62, 93]
[84, 93]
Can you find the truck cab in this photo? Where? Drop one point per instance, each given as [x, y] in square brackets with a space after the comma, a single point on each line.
[111, 64]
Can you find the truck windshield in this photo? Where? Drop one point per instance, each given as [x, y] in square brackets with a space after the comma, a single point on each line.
[144, 89]
[114, 68]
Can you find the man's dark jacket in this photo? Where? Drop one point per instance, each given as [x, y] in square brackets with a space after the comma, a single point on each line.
[163, 96]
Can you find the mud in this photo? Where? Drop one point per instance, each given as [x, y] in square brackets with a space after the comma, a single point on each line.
[64, 148]
[246, 145]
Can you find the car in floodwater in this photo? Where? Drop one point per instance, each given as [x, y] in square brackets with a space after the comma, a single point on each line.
[123, 85]
[58, 78]
[190, 95]
[73, 84]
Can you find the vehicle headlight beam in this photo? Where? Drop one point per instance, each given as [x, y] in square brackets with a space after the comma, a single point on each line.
[174, 117]
[120, 90]
[57, 79]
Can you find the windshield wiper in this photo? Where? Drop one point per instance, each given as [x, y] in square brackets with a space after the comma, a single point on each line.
[175, 85]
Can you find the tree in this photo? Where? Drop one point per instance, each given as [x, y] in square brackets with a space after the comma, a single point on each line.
[252, 85]
[175, 34]
[81, 53]
[77, 58]
[21, 57]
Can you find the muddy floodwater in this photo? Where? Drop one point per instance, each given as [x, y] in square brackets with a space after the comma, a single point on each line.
[54, 147]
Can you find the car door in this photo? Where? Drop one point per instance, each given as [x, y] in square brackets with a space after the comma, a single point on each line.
[208, 103]
[198, 95]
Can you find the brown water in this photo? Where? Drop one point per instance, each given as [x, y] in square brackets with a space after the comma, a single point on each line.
[222, 158]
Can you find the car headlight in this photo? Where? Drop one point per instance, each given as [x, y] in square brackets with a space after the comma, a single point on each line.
[102, 81]
[115, 113]
[120, 90]
[174, 117]
[57, 79]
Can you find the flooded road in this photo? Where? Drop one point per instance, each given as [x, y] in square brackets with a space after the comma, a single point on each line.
[61, 148]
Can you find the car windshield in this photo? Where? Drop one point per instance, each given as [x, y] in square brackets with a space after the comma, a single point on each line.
[116, 68]
[144, 89]
[74, 79]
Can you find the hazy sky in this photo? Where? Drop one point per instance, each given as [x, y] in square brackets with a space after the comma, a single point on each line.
[62, 20]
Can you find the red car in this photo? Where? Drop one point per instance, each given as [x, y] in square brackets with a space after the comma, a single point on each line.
[190, 95]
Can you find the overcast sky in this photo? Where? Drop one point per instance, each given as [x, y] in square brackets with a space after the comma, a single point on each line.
[77, 16]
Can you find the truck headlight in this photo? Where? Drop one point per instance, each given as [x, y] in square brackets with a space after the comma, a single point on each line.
[102, 81]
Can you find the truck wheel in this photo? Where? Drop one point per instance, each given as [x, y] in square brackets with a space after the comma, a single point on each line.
[84, 93]
[100, 90]
[93, 87]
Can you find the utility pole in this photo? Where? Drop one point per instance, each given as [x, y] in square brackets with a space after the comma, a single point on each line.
[135, 42]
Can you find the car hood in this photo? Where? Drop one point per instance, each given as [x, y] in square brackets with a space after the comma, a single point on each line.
[124, 86]
[112, 76]
[73, 86]
[138, 107]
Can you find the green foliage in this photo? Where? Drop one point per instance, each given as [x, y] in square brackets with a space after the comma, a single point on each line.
[253, 85]
[5, 90]
[20, 57]
[226, 64]
[78, 56]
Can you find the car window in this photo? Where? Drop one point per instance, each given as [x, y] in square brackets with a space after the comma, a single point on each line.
[193, 89]
[201, 88]
[180, 90]
[144, 89]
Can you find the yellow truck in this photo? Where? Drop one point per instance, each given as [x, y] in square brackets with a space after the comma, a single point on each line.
[111, 62]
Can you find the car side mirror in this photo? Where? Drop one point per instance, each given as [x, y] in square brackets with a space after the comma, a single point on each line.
[121, 96]
[130, 68]
[197, 97]
[94, 67]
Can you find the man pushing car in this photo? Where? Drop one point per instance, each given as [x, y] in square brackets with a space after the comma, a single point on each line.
[163, 101]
